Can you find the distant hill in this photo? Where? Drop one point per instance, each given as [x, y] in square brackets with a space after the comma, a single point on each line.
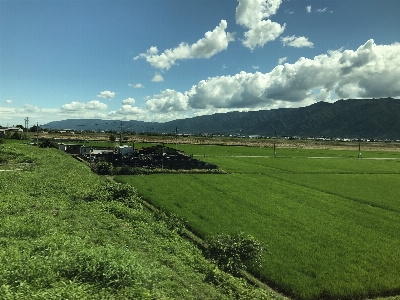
[366, 118]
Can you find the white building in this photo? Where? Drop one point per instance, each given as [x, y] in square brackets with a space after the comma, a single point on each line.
[125, 150]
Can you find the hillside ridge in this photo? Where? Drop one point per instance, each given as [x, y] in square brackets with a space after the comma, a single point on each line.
[365, 118]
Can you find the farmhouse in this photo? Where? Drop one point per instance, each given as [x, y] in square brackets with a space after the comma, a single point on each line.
[4, 130]
[14, 129]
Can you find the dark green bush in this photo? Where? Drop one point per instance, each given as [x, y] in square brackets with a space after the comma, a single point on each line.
[113, 191]
[112, 138]
[104, 168]
[232, 253]
[48, 143]
[119, 192]
[124, 170]
[17, 136]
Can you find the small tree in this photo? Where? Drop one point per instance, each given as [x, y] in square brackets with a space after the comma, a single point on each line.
[112, 138]
[35, 128]
[48, 143]
[16, 135]
[232, 253]
[104, 168]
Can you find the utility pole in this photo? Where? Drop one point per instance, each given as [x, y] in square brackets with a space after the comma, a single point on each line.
[37, 134]
[176, 138]
[26, 126]
[359, 148]
[120, 133]
[162, 157]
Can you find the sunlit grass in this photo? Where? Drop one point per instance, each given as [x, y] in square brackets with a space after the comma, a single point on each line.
[331, 224]
[61, 238]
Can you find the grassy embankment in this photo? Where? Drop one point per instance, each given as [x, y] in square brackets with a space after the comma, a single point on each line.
[332, 225]
[56, 244]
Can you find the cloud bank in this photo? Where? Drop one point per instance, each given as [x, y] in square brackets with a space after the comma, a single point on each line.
[370, 71]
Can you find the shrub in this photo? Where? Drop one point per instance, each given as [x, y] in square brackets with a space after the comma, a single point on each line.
[112, 138]
[119, 192]
[124, 170]
[48, 143]
[232, 253]
[104, 168]
[113, 191]
[17, 136]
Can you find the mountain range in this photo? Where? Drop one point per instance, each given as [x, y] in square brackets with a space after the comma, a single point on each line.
[353, 118]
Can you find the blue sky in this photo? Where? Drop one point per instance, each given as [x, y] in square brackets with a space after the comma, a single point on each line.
[159, 60]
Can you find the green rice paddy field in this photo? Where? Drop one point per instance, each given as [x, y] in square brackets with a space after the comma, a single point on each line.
[332, 225]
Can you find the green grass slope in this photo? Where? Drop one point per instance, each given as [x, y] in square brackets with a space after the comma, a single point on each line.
[56, 244]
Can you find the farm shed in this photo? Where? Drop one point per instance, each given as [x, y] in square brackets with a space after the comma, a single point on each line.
[125, 150]
[14, 129]
[71, 148]
[85, 150]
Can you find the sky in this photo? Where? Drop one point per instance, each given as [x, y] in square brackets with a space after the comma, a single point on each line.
[160, 60]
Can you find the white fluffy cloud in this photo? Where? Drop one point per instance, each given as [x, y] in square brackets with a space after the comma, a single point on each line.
[167, 101]
[370, 71]
[213, 42]
[106, 95]
[251, 15]
[241, 90]
[137, 86]
[129, 101]
[79, 106]
[297, 42]
[308, 8]
[9, 101]
[157, 78]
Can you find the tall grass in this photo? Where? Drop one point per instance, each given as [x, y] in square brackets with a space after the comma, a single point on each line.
[67, 234]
